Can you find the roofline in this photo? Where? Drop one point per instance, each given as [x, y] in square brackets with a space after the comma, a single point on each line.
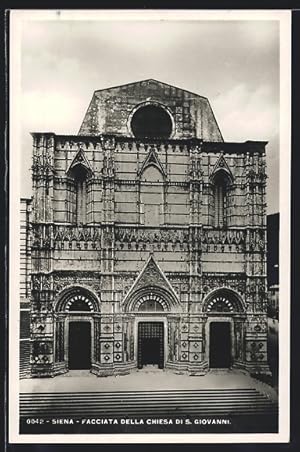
[34, 134]
[86, 112]
[148, 80]
[213, 115]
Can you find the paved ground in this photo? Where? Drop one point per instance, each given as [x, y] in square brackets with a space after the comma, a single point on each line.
[146, 379]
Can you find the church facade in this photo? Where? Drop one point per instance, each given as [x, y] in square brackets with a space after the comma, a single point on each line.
[148, 240]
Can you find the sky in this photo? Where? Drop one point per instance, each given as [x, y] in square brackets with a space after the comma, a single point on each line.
[235, 64]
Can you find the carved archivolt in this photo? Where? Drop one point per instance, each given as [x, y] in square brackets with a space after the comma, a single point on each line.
[164, 297]
[77, 294]
[79, 302]
[150, 302]
[223, 300]
[220, 303]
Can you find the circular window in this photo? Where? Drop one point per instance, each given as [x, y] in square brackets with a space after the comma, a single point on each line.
[151, 121]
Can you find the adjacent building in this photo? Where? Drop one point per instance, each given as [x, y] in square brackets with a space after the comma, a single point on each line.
[273, 263]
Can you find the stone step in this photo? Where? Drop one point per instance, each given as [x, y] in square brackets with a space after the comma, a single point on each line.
[141, 403]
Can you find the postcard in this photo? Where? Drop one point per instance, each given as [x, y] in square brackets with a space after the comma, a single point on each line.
[149, 226]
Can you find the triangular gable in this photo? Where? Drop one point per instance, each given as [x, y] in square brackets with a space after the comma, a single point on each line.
[151, 275]
[152, 159]
[80, 160]
[221, 165]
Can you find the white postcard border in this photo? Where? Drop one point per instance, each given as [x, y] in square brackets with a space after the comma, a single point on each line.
[16, 19]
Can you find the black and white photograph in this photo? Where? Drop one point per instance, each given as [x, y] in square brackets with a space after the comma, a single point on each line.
[149, 198]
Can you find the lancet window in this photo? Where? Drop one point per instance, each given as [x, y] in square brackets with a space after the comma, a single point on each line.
[220, 196]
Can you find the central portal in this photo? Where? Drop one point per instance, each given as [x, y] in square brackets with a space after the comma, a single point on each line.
[151, 344]
[79, 345]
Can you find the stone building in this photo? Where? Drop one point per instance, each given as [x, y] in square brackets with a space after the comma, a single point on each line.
[24, 288]
[273, 263]
[148, 240]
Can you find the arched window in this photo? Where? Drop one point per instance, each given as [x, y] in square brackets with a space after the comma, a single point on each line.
[79, 303]
[220, 204]
[80, 176]
[151, 305]
[151, 196]
[223, 300]
[79, 171]
[220, 304]
[151, 302]
[77, 299]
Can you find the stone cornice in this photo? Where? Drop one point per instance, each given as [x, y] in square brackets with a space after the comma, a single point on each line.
[194, 144]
